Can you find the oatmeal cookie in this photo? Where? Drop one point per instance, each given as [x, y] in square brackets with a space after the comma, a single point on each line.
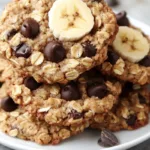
[72, 103]
[19, 123]
[131, 112]
[129, 55]
[53, 49]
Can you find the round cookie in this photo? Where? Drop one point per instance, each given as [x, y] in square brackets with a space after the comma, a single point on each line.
[131, 112]
[19, 123]
[129, 55]
[72, 103]
[33, 43]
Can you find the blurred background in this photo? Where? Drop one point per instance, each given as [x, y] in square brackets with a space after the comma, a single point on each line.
[138, 9]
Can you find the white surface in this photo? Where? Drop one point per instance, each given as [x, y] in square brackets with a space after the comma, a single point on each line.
[88, 139]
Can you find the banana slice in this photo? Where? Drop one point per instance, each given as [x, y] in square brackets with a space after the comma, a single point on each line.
[70, 20]
[131, 44]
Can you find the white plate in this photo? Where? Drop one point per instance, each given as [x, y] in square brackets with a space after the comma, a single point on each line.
[88, 139]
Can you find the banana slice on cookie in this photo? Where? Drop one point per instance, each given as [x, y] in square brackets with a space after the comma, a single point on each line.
[70, 20]
[131, 44]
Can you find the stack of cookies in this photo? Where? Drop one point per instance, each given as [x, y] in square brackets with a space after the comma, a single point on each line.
[67, 66]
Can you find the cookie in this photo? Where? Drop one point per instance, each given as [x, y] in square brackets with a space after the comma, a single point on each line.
[54, 42]
[72, 103]
[131, 112]
[128, 57]
[21, 124]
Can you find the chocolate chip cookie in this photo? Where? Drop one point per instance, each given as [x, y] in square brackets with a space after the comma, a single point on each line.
[128, 57]
[17, 122]
[67, 104]
[130, 113]
[56, 41]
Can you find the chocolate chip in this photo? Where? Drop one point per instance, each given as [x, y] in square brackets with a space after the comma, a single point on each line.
[89, 49]
[75, 115]
[97, 90]
[31, 83]
[8, 104]
[11, 33]
[30, 28]
[70, 92]
[145, 62]
[112, 57]
[93, 76]
[107, 139]
[22, 50]
[131, 120]
[142, 99]
[122, 19]
[127, 88]
[92, 73]
[54, 52]
[95, 81]
[112, 2]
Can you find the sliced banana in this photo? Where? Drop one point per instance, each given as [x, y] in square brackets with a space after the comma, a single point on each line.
[70, 20]
[131, 44]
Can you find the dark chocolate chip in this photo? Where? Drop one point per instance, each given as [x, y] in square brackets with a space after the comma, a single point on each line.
[75, 115]
[97, 80]
[8, 104]
[22, 50]
[107, 139]
[54, 52]
[145, 62]
[131, 120]
[112, 57]
[11, 33]
[112, 2]
[122, 19]
[31, 83]
[142, 99]
[91, 73]
[127, 88]
[89, 49]
[30, 28]
[70, 92]
[97, 90]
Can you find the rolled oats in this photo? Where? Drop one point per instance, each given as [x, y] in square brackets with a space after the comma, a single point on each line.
[87, 62]
[13, 132]
[50, 69]
[70, 64]
[16, 40]
[37, 58]
[71, 75]
[76, 51]
[16, 90]
[119, 67]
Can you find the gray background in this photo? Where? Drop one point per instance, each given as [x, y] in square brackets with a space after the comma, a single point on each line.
[139, 9]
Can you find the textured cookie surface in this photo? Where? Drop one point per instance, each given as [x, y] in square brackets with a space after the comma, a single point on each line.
[130, 113]
[129, 56]
[28, 41]
[19, 123]
[72, 103]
